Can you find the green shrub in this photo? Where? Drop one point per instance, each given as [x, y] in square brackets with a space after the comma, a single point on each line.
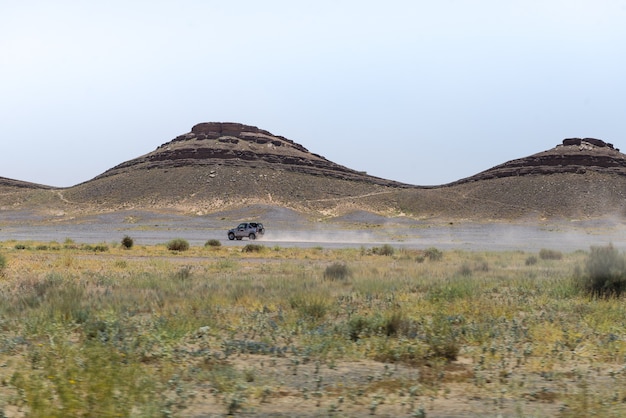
[433, 254]
[178, 244]
[546, 254]
[442, 338]
[20, 246]
[3, 264]
[360, 326]
[531, 260]
[213, 243]
[313, 307]
[337, 271]
[605, 272]
[127, 242]
[253, 248]
[384, 250]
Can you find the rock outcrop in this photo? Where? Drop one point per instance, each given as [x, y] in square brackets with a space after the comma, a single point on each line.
[574, 155]
[217, 144]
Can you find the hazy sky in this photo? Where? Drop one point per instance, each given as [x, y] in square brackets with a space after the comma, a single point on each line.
[424, 92]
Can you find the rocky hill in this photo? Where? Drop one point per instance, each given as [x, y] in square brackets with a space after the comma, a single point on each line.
[217, 166]
[223, 164]
[574, 155]
[217, 145]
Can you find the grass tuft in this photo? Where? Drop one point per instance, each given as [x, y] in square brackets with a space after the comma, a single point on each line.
[433, 254]
[605, 272]
[337, 271]
[386, 250]
[253, 248]
[546, 254]
[178, 244]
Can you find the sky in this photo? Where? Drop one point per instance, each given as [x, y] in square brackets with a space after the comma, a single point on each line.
[422, 92]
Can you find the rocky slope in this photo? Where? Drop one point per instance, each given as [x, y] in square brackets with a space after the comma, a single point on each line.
[217, 144]
[574, 155]
[217, 166]
[6, 184]
[224, 164]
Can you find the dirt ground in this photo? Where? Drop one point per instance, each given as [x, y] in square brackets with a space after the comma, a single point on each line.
[289, 228]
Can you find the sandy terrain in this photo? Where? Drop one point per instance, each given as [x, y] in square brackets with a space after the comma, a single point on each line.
[289, 228]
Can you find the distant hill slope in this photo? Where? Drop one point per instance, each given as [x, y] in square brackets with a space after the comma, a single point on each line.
[6, 183]
[217, 166]
[582, 177]
[574, 155]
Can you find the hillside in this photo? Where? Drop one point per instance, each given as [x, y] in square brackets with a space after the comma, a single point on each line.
[223, 166]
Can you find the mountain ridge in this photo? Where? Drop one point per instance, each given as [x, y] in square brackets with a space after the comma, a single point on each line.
[219, 165]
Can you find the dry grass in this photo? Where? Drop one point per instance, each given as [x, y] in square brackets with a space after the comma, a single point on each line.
[148, 332]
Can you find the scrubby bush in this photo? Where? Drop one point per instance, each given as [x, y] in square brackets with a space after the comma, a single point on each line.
[337, 271]
[384, 250]
[98, 248]
[546, 254]
[127, 242]
[253, 248]
[178, 244]
[3, 264]
[213, 243]
[605, 272]
[433, 254]
[20, 246]
[531, 260]
[465, 270]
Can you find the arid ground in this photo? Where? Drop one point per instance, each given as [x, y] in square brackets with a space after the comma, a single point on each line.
[289, 228]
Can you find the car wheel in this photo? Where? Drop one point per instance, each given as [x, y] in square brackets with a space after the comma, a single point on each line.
[252, 236]
[231, 236]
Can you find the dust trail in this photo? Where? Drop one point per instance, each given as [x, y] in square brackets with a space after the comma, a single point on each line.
[322, 237]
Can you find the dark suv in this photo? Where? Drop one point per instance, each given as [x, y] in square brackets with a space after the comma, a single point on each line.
[246, 229]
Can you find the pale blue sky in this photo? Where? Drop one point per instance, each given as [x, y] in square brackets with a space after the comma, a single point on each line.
[424, 92]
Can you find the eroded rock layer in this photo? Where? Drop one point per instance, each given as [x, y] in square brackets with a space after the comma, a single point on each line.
[574, 155]
[234, 144]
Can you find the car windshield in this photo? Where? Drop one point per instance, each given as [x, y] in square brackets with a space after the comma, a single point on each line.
[241, 226]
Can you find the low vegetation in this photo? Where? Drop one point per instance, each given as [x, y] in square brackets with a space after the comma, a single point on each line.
[605, 272]
[178, 244]
[213, 243]
[341, 332]
[127, 242]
